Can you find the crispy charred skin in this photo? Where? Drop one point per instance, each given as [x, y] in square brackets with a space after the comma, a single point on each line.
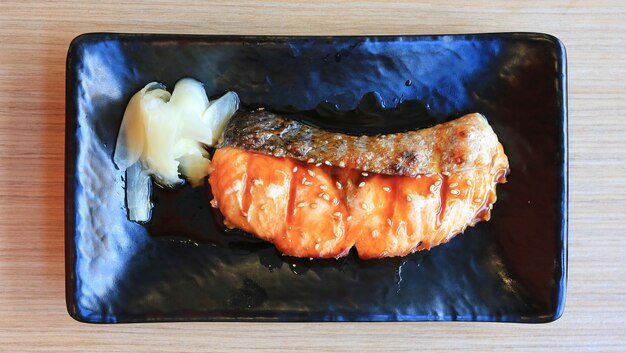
[320, 210]
[464, 144]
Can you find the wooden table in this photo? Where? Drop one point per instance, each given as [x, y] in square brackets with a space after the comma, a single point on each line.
[33, 41]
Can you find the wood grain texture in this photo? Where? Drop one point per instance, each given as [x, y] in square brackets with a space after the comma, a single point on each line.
[33, 42]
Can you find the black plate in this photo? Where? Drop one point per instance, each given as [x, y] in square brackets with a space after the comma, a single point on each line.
[185, 266]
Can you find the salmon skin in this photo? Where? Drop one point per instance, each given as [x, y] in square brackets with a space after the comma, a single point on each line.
[464, 144]
[318, 200]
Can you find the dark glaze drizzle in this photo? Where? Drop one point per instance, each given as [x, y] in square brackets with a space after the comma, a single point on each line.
[370, 117]
[293, 185]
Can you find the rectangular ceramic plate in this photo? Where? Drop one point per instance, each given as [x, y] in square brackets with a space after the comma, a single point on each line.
[184, 265]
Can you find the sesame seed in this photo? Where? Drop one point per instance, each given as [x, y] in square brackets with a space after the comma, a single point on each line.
[478, 200]
[263, 206]
[399, 160]
[339, 186]
[304, 181]
[327, 163]
[314, 205]
[326, 197]
[318, 164]
[387, 188]
[446, 173]
[308, 183]
[364, 174]
[335, 202]
[301, 204]
[469, 182]
[389, 221]
[438, 182]
[342, 164]
[419, 176]
[260, 109]
[375, 233]
[245, 214]
[433, 189]
[257, 182]
[324, 187]
[317, 246]
[364, 206]
[337, 214]
[454, 192]
[453, 185]
[361, 184]
[213, 203]
[295, 169]
[349, 218]
[408, 198]
[310, 160]
[311, 173]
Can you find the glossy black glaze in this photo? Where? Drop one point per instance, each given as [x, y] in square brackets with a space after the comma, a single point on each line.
[184, 265]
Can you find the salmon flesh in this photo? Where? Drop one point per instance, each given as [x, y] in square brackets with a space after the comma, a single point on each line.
[314, 193]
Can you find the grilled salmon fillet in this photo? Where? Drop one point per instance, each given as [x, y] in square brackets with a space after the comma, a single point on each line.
[288, 184]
